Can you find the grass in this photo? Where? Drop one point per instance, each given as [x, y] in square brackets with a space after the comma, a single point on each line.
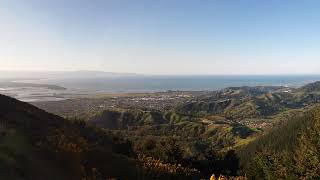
[239, 142]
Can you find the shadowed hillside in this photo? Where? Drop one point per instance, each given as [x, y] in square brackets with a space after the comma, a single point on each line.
[37, 145]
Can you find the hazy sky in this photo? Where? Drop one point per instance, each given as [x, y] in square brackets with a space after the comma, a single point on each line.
[161, 36]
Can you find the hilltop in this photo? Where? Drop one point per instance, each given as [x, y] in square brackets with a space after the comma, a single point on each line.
[38, 145]
[311, 87]
[34, 143]
[251, 102]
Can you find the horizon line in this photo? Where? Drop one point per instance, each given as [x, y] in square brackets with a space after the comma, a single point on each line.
[149, 74]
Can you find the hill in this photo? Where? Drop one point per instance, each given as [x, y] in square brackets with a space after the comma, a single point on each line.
[235, 131]
[219, 134]
[205, 130]
[289, 151]
[193, 142]
[123, 119]
[37, 145]
[250, 102]
[311, 87]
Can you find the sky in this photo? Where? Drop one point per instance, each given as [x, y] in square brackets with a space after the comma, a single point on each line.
[204, 37]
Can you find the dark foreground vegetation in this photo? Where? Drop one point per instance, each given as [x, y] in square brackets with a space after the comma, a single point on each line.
[37, 145]
[217, 133]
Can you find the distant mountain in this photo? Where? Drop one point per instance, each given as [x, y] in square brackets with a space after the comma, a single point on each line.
[23, 85]
[59, 74]
[89, 74]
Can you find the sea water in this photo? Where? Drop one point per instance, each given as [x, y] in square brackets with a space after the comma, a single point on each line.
[183, 83]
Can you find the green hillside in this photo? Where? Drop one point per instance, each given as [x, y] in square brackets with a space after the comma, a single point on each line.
[244, 102]
[261, 132]
[200, 143]
[289, 151]
[137, 124]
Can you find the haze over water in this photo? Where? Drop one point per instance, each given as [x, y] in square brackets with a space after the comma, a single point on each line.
[185, 83]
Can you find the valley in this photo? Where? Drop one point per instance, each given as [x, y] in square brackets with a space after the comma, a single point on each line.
[204, 132]
[159, 90]
[200, 123]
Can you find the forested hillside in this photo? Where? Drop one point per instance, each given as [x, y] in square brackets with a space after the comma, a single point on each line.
[258, 132]
[37, 145]
[290, 151]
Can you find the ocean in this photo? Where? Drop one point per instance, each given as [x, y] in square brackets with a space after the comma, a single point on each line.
[183, 83]
[79, 87]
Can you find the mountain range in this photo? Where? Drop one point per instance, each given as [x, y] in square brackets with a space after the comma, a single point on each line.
[206, 135]
[30, 75]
